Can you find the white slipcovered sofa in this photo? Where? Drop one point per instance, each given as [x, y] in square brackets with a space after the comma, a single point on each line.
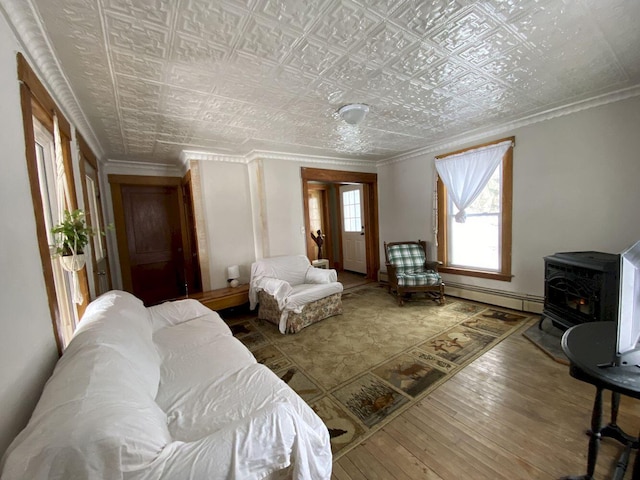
[293, 294]
[165, 392]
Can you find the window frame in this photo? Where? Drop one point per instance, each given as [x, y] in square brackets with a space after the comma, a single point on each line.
[506, 207]
[37, 103]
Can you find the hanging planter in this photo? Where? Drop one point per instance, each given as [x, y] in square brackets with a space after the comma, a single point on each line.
[73, 263]
[71, 236]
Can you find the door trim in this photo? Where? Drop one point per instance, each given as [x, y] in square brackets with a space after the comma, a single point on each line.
[370, 205]
[87, 156]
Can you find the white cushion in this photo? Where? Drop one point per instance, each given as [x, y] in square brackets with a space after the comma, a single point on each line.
[290, 268]
[310, 292]
[120, 321]
[178, 311]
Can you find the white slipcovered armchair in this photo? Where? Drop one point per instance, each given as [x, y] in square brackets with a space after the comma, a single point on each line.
[292, 294]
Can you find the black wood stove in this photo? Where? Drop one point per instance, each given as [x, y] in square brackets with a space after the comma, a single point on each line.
[580, 287]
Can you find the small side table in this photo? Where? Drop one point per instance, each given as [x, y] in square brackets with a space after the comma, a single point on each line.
[590, 348]
[223, 297]
[322, 263]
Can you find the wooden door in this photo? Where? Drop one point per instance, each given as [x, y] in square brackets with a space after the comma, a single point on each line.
[353, 234]
[153, 240]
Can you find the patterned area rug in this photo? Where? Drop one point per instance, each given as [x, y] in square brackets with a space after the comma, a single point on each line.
[361, 369]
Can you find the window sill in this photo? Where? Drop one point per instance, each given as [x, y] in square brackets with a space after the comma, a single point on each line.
[503, 277]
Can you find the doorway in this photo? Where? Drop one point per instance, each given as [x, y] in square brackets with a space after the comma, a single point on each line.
[332, 180]
[319, 218]
[154, 232]
[353, 228]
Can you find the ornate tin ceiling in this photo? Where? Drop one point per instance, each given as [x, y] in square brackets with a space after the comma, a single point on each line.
[155, 77]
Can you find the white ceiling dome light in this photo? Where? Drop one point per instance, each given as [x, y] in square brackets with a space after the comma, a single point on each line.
[353, 113]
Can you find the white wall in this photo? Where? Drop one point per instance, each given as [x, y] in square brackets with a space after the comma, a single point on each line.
[255, 208]
[405, 190]
[576, 187]
[284, 203]
[27, 346]
[226, 204]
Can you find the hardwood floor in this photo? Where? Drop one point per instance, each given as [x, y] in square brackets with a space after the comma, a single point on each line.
[513, 413]
[352, 279]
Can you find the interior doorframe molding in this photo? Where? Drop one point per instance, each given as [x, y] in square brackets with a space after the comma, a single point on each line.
[370, 205]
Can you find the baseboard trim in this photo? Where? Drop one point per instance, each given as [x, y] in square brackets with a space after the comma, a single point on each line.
[513, 300]
[500, 298]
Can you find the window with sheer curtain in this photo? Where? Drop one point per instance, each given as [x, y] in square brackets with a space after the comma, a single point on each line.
[474, 196]
[48, 154]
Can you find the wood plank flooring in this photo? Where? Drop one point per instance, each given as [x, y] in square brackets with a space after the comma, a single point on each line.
[513, 413]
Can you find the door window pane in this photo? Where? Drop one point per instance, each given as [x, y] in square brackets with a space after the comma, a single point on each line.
[352, 220]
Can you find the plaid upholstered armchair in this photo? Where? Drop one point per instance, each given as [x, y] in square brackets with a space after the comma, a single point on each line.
[410, 272]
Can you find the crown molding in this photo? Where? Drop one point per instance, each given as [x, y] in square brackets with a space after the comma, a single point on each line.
[28, 28]
[289, 157]
[113, 166]
[187, 155]
[472, 136]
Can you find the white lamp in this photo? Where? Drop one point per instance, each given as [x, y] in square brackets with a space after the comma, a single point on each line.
[233, 273]
[353, 113]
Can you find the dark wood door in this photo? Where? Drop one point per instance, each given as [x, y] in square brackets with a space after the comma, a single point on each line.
[155, 246]
[154, 230]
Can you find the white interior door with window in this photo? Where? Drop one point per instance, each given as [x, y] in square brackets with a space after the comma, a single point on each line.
[353, 238]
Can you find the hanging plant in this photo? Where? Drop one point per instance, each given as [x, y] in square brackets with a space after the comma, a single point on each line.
[71, 236]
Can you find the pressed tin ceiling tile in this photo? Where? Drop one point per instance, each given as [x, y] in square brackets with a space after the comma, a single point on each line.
[156, 76]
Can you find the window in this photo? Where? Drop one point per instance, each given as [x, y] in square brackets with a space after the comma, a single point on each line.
[352, 216]
[38, 113]
[315, 210]
[481, 245]
[44, 147]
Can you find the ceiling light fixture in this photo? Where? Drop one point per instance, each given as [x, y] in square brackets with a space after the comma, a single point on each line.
[353, 113]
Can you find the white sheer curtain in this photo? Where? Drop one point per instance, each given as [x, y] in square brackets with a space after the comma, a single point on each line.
[60, 178]
[466, 174]
[62, 194]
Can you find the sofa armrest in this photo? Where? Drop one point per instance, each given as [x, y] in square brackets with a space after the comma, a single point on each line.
[268, 440]
[279, 289]
[320, 275]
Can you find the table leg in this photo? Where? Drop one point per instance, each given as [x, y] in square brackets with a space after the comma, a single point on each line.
[612, 430]
[615, 405]
[594, 439]
[596, 426]
[636, 465]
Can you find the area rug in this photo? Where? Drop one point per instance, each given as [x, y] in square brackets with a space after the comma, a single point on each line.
[548, 339]
[361, 369]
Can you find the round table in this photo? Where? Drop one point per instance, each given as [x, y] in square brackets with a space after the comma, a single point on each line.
[590, 348]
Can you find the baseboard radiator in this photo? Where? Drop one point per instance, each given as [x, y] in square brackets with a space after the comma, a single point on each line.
[515, 301]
